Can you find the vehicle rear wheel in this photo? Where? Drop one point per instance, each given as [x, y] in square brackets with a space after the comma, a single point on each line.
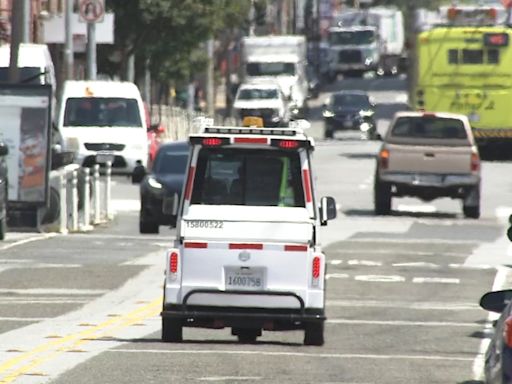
[314, 334]
[382, 197]
[146, 226]
[248, 336]
[472, 212]
[172, 330]
[328, 133]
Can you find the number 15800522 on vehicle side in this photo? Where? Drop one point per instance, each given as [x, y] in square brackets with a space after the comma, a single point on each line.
[246, 255]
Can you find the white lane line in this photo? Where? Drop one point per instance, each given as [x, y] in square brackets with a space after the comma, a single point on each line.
[429, 306]
[381, 278]
[29, 240]
[335, 262]
[435, 280]
[24, 319]
[53, 291]
[479, 361]
[417, 208]
[295, 354]
[396, 252]
[236, 378]
[409, 241]
[403, 323]
[419, 264]
[336, 276]
[367, 263]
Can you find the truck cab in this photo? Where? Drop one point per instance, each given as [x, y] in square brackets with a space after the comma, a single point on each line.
[246, 254]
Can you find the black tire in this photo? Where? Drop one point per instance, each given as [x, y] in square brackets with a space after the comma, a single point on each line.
[382, 197]
[3, 227]
[172, 330]
[248, 336]
[314, 334]
[472, 212]
[328, 133]
[146, 227]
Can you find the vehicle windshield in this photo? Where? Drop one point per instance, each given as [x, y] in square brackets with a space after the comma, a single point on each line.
[270, 69]
[102, 112]
[27, 75]
[254, 93]
[351, 101]
[351, 37]
[170, 162]
[429, 128]
[242, 177]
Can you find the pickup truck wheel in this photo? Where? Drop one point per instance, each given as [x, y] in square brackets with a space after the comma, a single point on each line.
[314, 334]
[328, 133]
[172, 330]
[148, 227]
[382, 197]
[472, 212]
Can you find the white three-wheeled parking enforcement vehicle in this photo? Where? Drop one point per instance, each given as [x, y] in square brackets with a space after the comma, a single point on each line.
[246, 254]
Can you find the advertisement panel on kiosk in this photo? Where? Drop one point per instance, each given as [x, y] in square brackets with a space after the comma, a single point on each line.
[25, 128]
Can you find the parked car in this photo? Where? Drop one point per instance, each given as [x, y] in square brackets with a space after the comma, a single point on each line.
[498, 356]
[347, 110]
[428, 156]
[160, 185]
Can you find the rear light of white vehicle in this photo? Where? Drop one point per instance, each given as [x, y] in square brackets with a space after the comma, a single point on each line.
[384, 159]
[475, 162]
[507, 331]
[173, 258]
[315, 271]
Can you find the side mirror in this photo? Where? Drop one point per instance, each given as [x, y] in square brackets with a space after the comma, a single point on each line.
[496, 301]
[138, 174]
[170, 205]
[61, 159]
[328, 210]
[4, 149]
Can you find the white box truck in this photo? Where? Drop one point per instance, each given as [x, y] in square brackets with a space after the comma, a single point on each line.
[367, 40]
[281, 58]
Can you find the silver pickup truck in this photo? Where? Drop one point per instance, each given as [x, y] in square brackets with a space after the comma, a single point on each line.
[428, 155]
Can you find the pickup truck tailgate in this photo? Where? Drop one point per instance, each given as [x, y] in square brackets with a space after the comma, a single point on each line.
[429, 159]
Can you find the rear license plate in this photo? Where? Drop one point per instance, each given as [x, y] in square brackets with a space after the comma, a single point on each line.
[103, 157]
[428, 179]
[247, 278]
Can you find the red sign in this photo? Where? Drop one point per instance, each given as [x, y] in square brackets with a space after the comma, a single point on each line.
[507, 3]
[92, 11]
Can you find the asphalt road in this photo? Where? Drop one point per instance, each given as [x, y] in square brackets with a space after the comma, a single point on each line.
[402, 290]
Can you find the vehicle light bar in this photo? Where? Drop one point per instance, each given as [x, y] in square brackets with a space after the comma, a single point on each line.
[253, 131]
[290, 144]
[250, 140]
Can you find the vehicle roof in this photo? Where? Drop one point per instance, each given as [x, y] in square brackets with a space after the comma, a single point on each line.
[442, 115]
[176, 145]
[100, 88]
[29, 55]
[260, 85]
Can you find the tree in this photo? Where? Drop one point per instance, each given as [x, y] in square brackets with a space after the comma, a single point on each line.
[169, 33]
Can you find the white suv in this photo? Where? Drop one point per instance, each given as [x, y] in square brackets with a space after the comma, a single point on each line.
[262, 99]
[246, 254]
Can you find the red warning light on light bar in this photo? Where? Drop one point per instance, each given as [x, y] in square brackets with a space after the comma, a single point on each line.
[288, 144]
[212, 142]
[496, 39]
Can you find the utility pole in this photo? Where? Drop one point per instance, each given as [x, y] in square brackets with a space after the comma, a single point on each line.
[210, 97]
[91, 51]
[25, 31]
[412, 68]
[16, 37]
[68, 43]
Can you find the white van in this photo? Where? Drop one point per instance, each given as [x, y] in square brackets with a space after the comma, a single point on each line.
[246, 254]
[104, 121]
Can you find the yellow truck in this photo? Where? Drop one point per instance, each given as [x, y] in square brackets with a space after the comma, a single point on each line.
[467, 70]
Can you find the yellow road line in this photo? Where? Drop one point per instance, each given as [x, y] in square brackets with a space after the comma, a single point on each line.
[33, 358]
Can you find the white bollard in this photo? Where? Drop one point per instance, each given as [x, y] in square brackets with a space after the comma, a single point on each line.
[74, 200]
[63, 222]
[108, 185]
[96, 194]
[86, 224]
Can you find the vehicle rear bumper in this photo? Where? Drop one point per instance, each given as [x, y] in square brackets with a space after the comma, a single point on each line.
[430, 180]
[224, 316]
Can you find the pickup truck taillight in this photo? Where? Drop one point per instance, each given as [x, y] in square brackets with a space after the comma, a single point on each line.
[475, 162]
[384, 159]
